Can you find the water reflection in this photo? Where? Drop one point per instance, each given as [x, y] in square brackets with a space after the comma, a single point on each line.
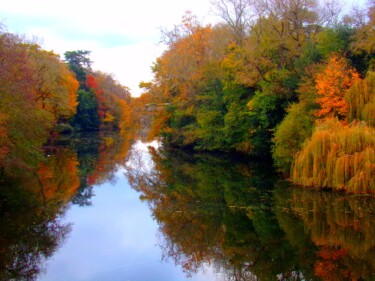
[214, 212]
[239, 218]
[100, 156]
[340, 226]
[31, 204]
[33, 201]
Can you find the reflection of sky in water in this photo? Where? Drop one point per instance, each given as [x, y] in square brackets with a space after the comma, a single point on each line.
[114, 239]
[140, 158]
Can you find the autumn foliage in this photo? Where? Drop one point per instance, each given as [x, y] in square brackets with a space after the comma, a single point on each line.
[361, 100]
[341, 156]
[338, 156]
[37, 92]
[57, 177]
[331, 84]
[341, 227]
[109, 95]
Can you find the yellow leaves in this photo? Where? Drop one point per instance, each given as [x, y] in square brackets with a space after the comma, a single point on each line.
[108, 117]
[242, 63]
[108, 141]
[361, 98]
[55, 87]
[338, 156]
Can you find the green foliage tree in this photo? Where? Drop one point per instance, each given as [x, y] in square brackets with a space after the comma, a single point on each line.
[100, 95]
[79, 62]
[87, 117]
[361, 99]
[334, 39]
[290, 135]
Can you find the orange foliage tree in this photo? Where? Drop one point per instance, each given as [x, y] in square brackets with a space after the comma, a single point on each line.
[110, 96]
[331, 84]
[57, 179]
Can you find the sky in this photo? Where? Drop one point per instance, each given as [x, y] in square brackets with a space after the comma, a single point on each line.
[123, 36]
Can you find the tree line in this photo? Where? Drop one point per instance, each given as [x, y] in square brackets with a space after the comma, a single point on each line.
[42, 96]
[287, 80]
[283, 79]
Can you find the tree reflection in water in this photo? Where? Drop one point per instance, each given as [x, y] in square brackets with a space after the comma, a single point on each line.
[240, 219]
[212, 211]
[33, 201]
[31, 205]
[341, 226]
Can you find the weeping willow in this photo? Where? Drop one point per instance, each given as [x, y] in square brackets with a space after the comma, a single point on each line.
[338, 156]
[361, 99]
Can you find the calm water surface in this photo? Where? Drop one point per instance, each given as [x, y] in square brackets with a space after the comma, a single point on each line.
[105, 208]
[113, 239]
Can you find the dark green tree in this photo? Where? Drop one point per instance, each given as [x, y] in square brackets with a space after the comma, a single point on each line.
[80, 63]
[87, 118]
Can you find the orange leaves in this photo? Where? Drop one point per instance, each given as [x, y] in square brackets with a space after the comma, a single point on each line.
[58, 177]
[329, 267]
[72, 86]
[181, 68]
[159, 125]
[331, 84]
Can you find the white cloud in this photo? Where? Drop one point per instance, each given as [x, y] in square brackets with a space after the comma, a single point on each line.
[122, 35]
[130, 64]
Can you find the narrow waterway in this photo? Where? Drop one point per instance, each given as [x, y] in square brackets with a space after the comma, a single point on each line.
[116, 238]
[106, 208]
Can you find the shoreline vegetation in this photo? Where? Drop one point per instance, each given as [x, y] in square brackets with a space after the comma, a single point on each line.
[289, 80]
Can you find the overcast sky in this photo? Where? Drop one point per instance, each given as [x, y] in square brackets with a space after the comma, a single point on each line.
[122, 35]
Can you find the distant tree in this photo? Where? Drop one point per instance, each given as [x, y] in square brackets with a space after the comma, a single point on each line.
[87, 118]
[80, 63]
[365, 33]
[237, 14]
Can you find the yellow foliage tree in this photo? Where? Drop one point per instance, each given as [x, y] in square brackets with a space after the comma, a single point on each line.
[338, 156]
[361, 98]
[55, 87]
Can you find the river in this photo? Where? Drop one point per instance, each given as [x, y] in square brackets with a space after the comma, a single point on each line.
[105, 207]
